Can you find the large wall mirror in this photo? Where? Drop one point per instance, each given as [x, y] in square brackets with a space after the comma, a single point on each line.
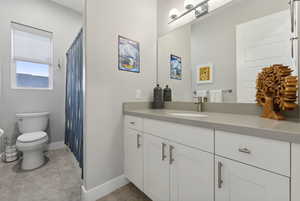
[221, 53]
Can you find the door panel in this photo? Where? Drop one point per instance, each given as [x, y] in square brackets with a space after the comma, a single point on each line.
[134, 157]
[236, 181]
[156, 169]
[261, 43]
[192, 175]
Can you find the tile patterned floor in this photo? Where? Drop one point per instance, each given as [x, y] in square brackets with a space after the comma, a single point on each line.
[58, 180]
[126, 193]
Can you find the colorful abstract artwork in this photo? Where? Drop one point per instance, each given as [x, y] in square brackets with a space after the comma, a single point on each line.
[129, 55]
[176, 67]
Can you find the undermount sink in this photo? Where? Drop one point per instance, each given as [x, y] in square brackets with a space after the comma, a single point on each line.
[187, 114]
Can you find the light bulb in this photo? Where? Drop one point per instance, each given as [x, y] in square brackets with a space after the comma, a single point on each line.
[174, 13]
[189, 4]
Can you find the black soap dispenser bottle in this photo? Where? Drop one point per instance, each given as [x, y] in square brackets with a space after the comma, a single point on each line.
[158, 102]
[167, 94]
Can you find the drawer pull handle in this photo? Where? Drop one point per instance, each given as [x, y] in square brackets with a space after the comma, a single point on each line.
[163, 154]
[244, 150]
[138, 143]
[132, 123]
[220, 181]
[171, 148]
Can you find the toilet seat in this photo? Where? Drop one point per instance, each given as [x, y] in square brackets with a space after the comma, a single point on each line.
[32, 137]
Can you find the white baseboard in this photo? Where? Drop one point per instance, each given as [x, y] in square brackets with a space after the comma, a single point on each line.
[56, 145]
[100, 191]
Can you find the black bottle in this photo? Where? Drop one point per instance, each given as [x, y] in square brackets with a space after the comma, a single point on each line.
[167, 94]
[158, 102]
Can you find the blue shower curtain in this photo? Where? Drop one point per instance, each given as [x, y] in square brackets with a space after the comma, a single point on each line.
[74, 99]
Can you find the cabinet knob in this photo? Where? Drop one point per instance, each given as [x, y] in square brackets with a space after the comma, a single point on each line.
[163, 154]
[138, 143]
[244, 150]
[220, 180]
[171, 148]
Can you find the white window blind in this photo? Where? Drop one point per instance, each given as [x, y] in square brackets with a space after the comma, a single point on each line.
[31, 44]
[31, 57]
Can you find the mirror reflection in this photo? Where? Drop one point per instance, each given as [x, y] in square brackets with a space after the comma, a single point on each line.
[220, 54]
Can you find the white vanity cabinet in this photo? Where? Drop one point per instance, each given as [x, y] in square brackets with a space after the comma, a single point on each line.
[236, 181]
[133, 148]
[176, 172]
[156, 168]
[191, 174]
[250, 168]
[186, 154]
[175, 162]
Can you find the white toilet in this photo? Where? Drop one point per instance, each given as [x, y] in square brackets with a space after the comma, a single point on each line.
[33, 139]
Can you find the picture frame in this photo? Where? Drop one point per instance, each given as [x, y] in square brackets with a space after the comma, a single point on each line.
[204, 73]
[175, 67]
[128, 55]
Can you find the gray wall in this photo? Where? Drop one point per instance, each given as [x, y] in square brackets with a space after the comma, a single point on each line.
[177, 42]
[107, 87]
[65, 25]
[213, 40]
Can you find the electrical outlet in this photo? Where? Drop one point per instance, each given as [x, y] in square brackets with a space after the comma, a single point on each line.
[138, 94]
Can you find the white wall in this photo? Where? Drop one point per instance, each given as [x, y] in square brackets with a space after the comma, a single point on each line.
[177, 42]
[65, 24]
[107, 87]
[214, 40]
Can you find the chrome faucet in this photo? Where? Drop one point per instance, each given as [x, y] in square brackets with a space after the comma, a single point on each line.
[199, 103]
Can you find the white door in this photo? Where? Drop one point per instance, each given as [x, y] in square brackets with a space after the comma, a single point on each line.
[261, 43]
[239, 182]
[192, 174]
[156, 169]
[134, 157]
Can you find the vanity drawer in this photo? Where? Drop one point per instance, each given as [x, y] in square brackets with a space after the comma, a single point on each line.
[201, 138]
[267, 154]
[134, 122]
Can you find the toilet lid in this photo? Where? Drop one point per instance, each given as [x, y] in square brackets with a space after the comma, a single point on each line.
[32, 137]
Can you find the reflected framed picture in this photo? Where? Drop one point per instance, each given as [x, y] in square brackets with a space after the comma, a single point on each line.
[175, 67]
[129, 55]
[204, 73]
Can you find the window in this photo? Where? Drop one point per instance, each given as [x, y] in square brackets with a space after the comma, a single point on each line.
[32, 58]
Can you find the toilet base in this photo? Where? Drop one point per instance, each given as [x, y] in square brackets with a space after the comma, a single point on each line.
[32, 160]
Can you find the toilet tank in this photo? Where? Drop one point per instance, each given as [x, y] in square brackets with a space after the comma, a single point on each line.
[32, 122]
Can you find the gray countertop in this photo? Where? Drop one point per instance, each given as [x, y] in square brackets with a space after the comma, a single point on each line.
[236, 123]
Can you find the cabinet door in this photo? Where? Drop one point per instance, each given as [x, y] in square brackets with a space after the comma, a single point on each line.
[239, 182]
[156, 169]
[192, 174]
[134, 157]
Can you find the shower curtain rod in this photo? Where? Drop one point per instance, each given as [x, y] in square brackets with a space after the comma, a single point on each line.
[78, 35]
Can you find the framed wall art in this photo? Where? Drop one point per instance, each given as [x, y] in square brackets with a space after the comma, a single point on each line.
[129, 55]
[175, 67]
[204, 74]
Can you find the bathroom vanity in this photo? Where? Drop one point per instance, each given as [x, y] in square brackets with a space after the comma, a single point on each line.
[221, 157]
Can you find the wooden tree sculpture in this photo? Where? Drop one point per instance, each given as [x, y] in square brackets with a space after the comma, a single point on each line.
[276, 91]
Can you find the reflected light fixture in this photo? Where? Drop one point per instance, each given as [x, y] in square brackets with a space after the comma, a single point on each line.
[174, 13]
[189, 4]
[200, 9]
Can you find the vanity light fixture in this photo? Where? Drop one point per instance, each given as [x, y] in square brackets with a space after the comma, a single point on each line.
[200, 9]
[189, 4]
[174, 13]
